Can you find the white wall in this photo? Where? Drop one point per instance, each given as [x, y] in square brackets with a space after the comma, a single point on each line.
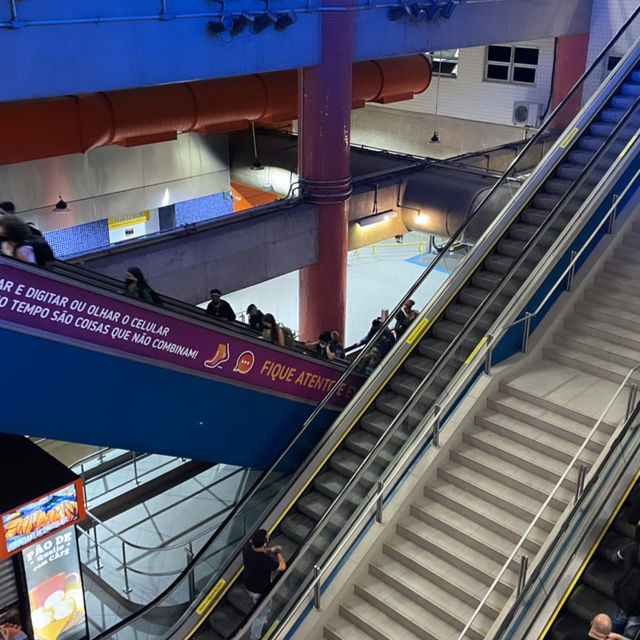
[470, 97]
[607, 16]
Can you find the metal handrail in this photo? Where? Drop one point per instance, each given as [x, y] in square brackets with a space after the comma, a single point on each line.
[356, 362]
[608, 217]
[545, 504]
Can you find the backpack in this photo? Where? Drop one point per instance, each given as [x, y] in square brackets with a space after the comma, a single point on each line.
[626, 591]
[288, 335]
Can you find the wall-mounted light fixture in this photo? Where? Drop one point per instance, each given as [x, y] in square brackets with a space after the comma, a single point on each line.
[284, 20]
[447, 10]
[222, 27]
[418, 12]
[382, 216]
[263, 21]
[421, 218]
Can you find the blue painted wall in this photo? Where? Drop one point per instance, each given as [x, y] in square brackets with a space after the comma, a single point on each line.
[205, 208]
[131, 43]
[77, 395]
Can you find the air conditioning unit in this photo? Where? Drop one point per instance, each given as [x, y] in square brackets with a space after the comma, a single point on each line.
[527, 113]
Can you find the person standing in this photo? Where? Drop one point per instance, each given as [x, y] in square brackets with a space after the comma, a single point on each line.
[255, 318]
[260, 561]
[404, 317]
[136, 286]
[219, 308]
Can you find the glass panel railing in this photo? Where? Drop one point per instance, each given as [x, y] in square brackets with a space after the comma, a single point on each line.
[263, 497]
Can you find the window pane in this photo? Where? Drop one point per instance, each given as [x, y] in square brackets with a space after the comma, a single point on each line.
[524, 55]
[497, 72]
[445, 67]
[499, 54]
[612, 62]
[523, 74]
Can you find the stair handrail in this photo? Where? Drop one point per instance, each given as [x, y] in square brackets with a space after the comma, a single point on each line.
[352, 368]
[545, 504]
[609, 217]
[440, 363]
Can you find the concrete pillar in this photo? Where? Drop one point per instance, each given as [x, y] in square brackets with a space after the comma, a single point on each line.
[323, 165]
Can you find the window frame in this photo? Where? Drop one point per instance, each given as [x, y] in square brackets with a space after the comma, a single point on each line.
[511, 66]
[436, 57]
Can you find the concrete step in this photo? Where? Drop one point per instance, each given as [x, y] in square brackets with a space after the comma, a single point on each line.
[503, 498]
[587, 362]
[622, 283]
[615, 317]
[593, 326]
[533, 439]
[468, 560]
[484, 513]
[340, 628]
[507, 449]
[598, 346]
[616, 299]
[523, 480]
[625, 270]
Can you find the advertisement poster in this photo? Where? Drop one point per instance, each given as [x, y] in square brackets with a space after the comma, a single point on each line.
[39, 518]
[56, 600]
[45, 304]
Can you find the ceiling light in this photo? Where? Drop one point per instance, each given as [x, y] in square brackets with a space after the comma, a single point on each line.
[284, 20]
[422, 218]
[417, 12]
[60, 206]
[395, 13]
[263, 21]
[431, 10]
[447, 10]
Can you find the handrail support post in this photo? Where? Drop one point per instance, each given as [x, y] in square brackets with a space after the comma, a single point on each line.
[316, 586]
[127, 588]
[435, 435]
[192, 578]
[582, 472]
[526, 330]
[380, 502]
[613, 214]
[488, 355]
[522, 576]
[631, 400]
[572, 271]
[95, 545]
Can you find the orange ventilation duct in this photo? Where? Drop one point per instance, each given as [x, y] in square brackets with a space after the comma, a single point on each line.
[74, 124]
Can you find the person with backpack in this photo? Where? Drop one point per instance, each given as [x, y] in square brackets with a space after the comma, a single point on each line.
[19, 241]
[383, 343]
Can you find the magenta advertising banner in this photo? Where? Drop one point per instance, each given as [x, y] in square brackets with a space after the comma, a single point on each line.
[39, 302]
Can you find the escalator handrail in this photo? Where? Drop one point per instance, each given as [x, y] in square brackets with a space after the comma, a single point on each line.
[351, 369]
[460, 231]
[441, 362]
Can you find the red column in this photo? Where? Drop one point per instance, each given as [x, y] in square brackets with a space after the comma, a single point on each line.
[570, 64]
[323, 164]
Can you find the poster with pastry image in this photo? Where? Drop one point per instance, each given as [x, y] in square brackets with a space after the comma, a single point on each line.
[54, 582]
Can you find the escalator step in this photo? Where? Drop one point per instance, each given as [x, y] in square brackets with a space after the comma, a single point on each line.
[392, 404]
[572, 172]
[579, 156]
[459, 313]
[498, 263]
[225, 619]
[484, 279]
[622, 102]
[240, 599]
[557, 185]
[603, 129]
[331, 483]
[314, 505]
[622, 526]
[345, 462]
[417, 366]
[510, 247]
[591, 143]
[360, 442]
[584, 602]
[447, 330]
[611, 115]
[473, 296]
[432, 348]
[522, 231]
[610, 544]
[630, 89]
[601, 574]
[297, 526]
[569, 627]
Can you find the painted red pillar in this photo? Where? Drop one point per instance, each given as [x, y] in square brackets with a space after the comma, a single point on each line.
[570, 64]
[323, 165]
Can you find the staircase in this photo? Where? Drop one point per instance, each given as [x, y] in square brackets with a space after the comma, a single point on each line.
[444, 553]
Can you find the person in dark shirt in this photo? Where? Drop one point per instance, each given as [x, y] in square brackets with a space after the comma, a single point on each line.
[404, 317]
[336, 346]
[219, 308]
[255, 318]
[260, 561]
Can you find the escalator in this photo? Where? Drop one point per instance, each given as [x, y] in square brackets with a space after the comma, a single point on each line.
[557, 202]
[436, 349]
[190, 373]
[592, 592]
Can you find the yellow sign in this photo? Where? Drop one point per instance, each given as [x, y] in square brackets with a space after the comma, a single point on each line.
[472, 355]
[117, 222]
[204, 605]
[569, 137]
[633, 139]
[418, 330]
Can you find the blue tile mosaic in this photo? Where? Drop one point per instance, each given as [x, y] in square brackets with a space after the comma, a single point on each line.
[205, 208]
[79, 239]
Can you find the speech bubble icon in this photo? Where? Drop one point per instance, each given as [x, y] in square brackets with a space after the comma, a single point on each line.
[245, 362]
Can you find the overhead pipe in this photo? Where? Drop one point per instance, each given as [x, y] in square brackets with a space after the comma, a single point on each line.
[74, 124]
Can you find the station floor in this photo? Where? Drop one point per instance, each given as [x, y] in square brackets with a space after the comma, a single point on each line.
[377, 278]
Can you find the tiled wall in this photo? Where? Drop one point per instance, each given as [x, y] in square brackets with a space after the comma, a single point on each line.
[607, 16]
[94, 235]
[471, 98]
[205, 208]
[78, 239]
